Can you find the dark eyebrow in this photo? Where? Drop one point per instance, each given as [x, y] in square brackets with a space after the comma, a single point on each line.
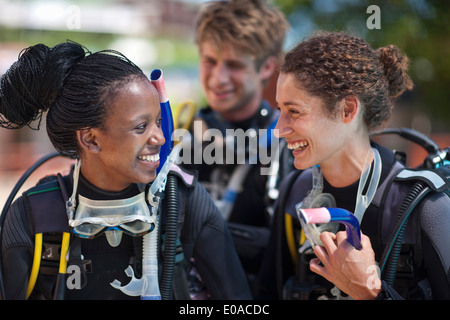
[207, 57]
[144, 116]
[289, 103]
[292, 104]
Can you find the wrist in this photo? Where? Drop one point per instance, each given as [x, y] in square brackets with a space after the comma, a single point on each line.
[372, 294]
[388, 293]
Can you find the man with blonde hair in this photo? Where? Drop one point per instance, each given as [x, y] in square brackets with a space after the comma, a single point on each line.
[240, 43]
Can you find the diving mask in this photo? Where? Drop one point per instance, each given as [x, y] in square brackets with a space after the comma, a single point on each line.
[91, 218]
[316, 198]
[131, 216]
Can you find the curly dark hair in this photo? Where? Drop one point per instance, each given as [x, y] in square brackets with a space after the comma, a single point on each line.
[333, 65]
[69, 83]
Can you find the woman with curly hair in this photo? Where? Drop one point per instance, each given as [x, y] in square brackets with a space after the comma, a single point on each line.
[333, 90]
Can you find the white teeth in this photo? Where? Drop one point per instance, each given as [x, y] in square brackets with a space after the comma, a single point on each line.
[150, 158]
[297, 145]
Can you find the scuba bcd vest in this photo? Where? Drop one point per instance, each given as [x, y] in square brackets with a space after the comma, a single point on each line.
[397, 246]
[45, 204]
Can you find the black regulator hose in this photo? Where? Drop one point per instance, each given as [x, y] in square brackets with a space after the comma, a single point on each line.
[170, 244]
[392, 252]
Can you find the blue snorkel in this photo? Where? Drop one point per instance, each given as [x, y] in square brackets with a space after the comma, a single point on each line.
[166, 115]
[312, 216]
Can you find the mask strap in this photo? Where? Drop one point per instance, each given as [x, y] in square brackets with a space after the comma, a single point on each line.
[363, 201]
[71, 203]
[317, 187]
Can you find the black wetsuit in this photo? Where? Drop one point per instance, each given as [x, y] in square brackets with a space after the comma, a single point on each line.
[204, 238]
[249, 208]
[427, 231]
[250, 219]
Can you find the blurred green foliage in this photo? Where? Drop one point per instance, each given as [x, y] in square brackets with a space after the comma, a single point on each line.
[420, 28]
[184, 52]
[92, 41]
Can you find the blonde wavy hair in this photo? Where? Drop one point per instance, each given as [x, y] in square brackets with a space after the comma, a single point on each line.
[253, 27]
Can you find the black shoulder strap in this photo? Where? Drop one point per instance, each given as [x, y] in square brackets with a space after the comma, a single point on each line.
[424, 181]
[405, 179]
[381, 192]
[282, 256]
[433, 178]
[295, 187]
[47, 207]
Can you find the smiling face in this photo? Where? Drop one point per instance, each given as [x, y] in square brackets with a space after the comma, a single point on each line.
[312, 134]
[231, 83]
[126, 148]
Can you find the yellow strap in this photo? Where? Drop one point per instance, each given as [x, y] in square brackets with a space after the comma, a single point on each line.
[64, 250]
[36, 263]
[290, 238]
[302, 237]
[38, 256]
[184, 114]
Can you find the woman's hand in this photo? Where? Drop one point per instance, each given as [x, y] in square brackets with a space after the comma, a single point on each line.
[352, 271]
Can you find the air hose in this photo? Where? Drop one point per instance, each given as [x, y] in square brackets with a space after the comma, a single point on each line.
[170, 245]
[389, 261]
[171, 227]
[61, 278]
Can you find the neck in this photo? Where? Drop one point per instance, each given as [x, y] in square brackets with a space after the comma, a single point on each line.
[244, 111]
[346, 168]
[101, 179]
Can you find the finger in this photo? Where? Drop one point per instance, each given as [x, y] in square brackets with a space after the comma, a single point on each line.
[321, 253]
[365, 241]
[341, 239]
[316, 267]
[328, 240]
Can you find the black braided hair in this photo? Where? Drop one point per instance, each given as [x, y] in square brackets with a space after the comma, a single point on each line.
[69, 83]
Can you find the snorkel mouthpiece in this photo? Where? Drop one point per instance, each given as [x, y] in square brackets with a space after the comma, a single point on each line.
[325, 215]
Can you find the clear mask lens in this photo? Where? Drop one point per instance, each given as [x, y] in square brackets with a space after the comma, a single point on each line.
[91, 218]
[316, 198]
[132, 216]
[313, 231]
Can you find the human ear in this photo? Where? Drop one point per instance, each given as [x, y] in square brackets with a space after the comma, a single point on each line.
[350, 106]
[88, 140]
[268, 67]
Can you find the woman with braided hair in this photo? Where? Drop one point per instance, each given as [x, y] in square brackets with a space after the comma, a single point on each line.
[104, 112]
[333, 90]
